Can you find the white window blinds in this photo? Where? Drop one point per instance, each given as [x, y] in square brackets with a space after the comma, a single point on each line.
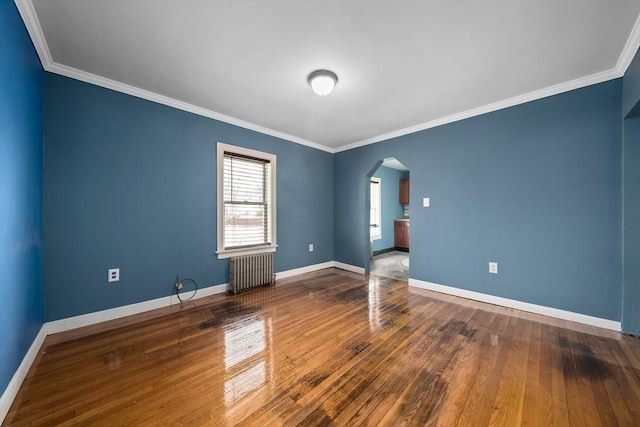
[247, 201]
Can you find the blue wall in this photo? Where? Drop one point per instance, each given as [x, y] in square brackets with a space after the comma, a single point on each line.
[631, 201]
[132, 184]
[631, 86]
[631, 235]
[21, 92]
[391, 208]
[536, 188]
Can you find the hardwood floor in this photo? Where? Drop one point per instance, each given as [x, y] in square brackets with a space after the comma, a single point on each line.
[333, 347]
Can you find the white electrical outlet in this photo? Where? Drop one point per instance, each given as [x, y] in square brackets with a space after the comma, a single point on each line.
[493, 267]
[425, 202]
[310, 247]
[114, 275]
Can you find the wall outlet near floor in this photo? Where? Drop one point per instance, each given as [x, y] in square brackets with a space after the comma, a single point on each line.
[493, 267]
[425, 202]
[310, 247]
[114, 275]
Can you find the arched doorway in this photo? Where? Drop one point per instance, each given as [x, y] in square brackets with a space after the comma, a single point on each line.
[388, 221]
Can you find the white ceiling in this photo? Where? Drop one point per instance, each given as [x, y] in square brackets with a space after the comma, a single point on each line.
[403, 66]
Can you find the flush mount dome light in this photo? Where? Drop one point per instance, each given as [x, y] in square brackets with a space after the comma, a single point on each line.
[323, 81]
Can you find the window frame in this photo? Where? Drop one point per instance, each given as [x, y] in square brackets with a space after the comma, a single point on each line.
[221, 148]
[373, 236]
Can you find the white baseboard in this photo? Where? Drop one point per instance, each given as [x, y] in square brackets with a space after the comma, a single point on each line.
[88, 319]
[16, 381]
[519, 305]
[352, 268]
[302, 270]
[69, 323]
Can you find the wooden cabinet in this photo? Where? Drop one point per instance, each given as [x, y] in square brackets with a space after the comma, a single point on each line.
[401, 234]
[404, 191]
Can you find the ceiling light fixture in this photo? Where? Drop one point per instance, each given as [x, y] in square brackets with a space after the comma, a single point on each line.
[323, 81]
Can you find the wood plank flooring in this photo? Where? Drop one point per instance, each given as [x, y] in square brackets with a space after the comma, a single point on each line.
[334, 348]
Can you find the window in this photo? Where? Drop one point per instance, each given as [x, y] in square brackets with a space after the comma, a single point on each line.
[246, 201]
[375, 210]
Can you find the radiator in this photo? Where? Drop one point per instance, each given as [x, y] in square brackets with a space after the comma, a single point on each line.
[250, 271]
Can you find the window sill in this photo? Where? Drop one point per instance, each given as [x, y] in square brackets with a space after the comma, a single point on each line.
[249, 251]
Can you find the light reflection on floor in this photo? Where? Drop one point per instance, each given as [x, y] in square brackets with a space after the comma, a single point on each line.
[248, 341]
[374, 305]
[247, 358]
[242, 343]
[237, 386]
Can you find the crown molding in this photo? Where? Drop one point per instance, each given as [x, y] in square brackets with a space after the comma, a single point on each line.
[629, 51]
[30, 18]
[495, 106]
[630, 48]
[28, 14]
[86, 77]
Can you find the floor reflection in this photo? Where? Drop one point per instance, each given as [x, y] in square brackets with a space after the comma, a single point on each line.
[243, 382]
[387, 304]
[374, 304]
[244, 342]
[248, 361]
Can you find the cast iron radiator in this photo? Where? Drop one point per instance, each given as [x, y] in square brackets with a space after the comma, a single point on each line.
[250, 271]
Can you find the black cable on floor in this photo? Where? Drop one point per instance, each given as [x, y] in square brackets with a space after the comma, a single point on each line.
[180, 284]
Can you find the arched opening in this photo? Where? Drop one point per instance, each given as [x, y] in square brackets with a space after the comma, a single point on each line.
[387, 219]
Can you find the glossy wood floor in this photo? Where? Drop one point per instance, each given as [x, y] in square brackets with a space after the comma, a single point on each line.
[333, 347]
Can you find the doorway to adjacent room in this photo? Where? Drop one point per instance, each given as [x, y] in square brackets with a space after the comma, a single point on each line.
[389, 220]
